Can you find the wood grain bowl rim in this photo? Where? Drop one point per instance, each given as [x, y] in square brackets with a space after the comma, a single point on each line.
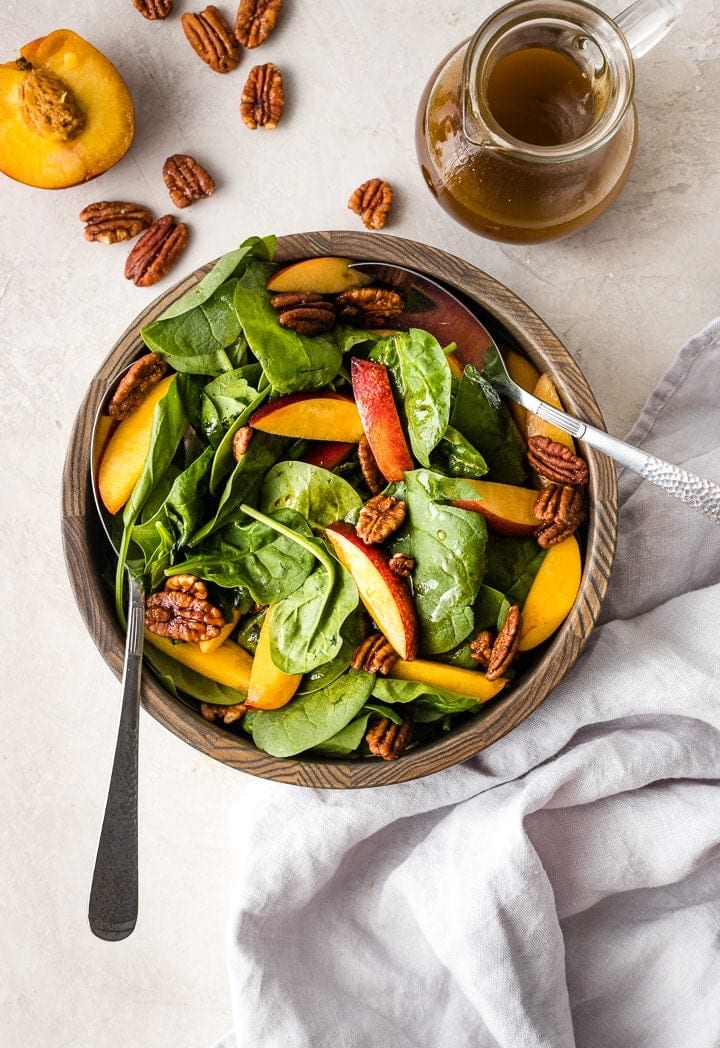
[84, 543]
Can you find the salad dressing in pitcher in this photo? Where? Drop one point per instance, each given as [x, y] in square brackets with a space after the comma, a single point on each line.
[528, 131]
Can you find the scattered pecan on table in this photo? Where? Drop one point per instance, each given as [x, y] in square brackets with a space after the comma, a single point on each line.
[379, 518]
[255, 20]
[135, 385]
[153, 9]
[212, 39]
[182, 611]
[561, 507]
[372, 202]
[112, 221]
[369, 307]
[157, 251]
[305, 312]
[388, 740]
[263, 98]
[375, 654]
[186, 179]
[556, 462]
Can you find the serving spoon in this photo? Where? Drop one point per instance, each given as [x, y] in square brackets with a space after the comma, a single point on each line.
[113, 905]
[431, 306]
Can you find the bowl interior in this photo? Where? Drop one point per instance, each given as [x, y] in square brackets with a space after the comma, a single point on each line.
[507, 318]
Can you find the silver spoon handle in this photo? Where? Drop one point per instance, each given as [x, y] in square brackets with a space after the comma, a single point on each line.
[698, 492]
[113, 906]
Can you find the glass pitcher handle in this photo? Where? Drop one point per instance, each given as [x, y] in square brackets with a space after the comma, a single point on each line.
[646, 22]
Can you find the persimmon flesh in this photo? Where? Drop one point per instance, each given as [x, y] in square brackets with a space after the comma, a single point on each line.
[66, 114]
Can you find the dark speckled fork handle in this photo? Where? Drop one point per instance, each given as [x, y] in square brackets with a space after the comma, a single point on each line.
[112, 912]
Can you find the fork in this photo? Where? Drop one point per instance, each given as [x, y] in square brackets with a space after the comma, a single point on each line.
[454, 322]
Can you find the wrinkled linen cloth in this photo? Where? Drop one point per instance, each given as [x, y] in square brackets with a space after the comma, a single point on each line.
[560, 889]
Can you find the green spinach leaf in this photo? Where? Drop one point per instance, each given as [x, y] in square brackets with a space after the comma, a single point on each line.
[178, 678]
[485, 421]
[456, 456]
[309, 720]
[322, 497]
[513, 563]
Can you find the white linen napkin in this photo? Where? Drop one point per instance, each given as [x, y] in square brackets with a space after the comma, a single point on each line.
[560, 889]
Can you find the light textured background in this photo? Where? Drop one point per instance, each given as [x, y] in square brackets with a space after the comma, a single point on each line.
[623, 295]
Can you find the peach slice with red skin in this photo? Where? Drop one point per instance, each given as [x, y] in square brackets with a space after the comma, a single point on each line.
[310, 416]
[66, 114]
[327, 453]
[508, 509]
[380, 419]
[384, 594]
[324, 275]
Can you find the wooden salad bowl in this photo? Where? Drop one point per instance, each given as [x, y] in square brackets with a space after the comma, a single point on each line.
[508, 318]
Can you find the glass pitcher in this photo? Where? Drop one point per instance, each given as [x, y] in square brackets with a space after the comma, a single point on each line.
[528, 131]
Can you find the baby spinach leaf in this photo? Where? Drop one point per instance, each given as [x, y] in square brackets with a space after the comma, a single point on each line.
[352, 632]
[490, 609]
[290, 361]
[243, 482]
[485, 420]
[513, 563]
[346, 741]
[196, 341]
[423, 379]
[255, 557]
[306, 629]
[226, 398]
[322, 497]
[456, 456]
[448, 545]
[309, 720]
[248, 632]
[224, 460]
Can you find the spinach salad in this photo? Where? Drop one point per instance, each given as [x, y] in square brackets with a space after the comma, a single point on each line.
[256, 528]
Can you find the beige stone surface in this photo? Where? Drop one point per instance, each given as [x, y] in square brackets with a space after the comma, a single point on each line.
[623, 295]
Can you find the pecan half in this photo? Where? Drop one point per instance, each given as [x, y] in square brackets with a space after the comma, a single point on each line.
[186, 180]
[135, 385]
[379, 518]
[506, 644]
[263, 98]
[153, 9]
[481, 647]
[374, 655]
[112, 221]
[372, 201]
[212, 39]
[227, 714]
[388, 740]
[561, 507]
[182, 611]
[305, 312]
[556, 461]
[156, 252]
[369, 307]
[255, 21]
[402, 564]
[241, 441]
[369, 467]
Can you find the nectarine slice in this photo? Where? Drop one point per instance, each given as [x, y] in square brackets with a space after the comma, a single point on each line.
[66, 114]
[327, 453]
[507, 508]
[325, 275]
[379, 417]
[552, 593]
[229, 665]
[124, 456]
[384, 594]
[452, 678]
[310, 416]
[545, 389]
[269, 687]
